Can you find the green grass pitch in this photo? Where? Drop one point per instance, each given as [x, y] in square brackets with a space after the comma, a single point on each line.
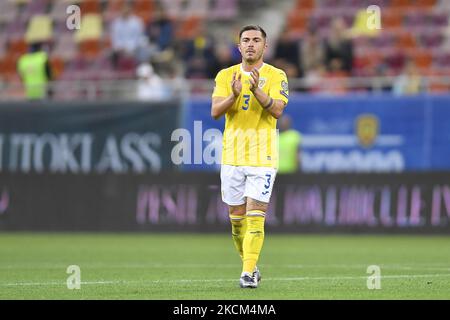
[206, 266]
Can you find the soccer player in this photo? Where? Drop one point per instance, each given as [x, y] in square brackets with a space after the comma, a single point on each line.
[252, 95]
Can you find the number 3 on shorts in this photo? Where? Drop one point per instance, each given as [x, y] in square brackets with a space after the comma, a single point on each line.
[267, 185]
[268, 175]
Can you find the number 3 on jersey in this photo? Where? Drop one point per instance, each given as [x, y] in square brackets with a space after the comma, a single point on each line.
[246, 102]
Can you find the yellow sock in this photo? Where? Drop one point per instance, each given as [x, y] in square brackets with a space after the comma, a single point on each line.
[238, 229]
[253, 240]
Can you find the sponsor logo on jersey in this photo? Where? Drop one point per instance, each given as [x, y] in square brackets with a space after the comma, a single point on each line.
[284, 89]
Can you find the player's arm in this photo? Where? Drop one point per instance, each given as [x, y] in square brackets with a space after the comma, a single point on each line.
[273, 106]
[220, 105]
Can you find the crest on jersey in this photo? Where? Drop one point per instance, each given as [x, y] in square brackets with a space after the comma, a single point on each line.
[367, 126]
[262, 82]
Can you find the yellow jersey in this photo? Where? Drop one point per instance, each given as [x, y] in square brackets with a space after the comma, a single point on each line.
[250, 137]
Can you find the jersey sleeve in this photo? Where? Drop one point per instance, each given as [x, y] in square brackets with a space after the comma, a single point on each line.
[221, 88]
[279, 88]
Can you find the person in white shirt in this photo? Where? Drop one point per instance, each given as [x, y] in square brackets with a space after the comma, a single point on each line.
[128, 36]
[150, 86]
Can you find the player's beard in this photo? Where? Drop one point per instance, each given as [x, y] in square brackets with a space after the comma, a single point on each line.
[254, 59]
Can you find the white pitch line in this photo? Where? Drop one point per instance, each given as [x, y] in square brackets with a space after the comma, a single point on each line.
[111, 266]
[364, 266]
[437, 267]
[53, 283]
[361, 277]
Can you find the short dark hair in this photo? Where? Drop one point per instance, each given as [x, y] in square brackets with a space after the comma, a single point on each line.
[252, 27]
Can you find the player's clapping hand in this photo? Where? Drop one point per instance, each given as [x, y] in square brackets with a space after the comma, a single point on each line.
[254, 79]
[236, 84]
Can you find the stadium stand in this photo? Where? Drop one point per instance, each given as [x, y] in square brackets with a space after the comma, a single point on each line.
[411, 29]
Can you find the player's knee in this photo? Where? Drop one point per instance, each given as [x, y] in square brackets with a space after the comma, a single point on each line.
[237, 210]
[253, 204]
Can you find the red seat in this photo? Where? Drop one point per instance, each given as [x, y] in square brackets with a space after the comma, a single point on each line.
[90, 6]
[57, 66]
[90, 48]
[187, 28]
[8, 67]
[144, 9]
[406, 40]
[425, 3]
[17, 47]
[297, 21]
[401, 3]
[306, 4]
[392, 19]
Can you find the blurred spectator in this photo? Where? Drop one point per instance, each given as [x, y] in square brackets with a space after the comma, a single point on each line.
[174, 75]
[291, 71]
[198, 52]
[180, 8]
[201, 44]
[287, 53]
[222, 59]
[128, 38]
[234, 39]
[320, 80]
[396, 61]
[161, 30]
[313, 77]
[150, 86]
[289, 146]
[335, 78]
[195, 7]
[381, 71]
[197, 68]
[311, 51]
[409, 81]
[339, 46]
[35, 72]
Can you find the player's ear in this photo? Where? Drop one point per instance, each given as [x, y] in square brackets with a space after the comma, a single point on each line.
[239, 47]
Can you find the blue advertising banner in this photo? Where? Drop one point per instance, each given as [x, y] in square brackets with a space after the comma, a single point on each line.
[198, 121]
[438, 113]
[353, 134]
